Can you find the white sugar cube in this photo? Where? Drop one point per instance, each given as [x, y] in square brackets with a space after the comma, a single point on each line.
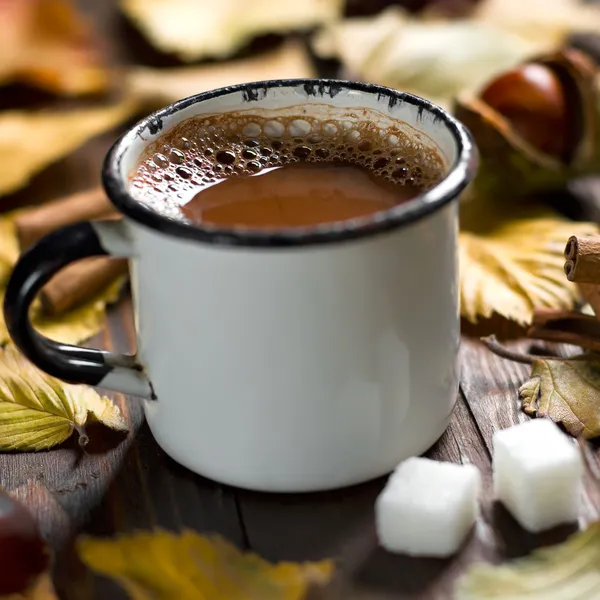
[537, 474]
[427, 507]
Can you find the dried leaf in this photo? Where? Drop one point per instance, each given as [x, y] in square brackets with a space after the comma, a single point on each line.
[195, 29]
[42, 589]
[9, 248]
[188, 566]
[513, 265]
[72, 327]
[38, 411]
[157, 87]
[30, 141]
[540, 21]
[47, 43]
[76, 325]
[566, 391]
[82, 322]
[435, 59]
[567, 571]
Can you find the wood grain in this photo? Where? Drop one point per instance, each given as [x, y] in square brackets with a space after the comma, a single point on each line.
[124, 483]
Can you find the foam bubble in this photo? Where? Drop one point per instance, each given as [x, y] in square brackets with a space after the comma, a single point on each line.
[299, 128]
[252, 130]
[198, 152]
[274, 129]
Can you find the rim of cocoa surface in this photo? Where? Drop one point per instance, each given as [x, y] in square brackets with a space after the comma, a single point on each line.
[459, 175]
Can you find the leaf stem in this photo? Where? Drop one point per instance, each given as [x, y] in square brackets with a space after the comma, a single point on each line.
[494, 346]
[527, 359]
[83, 437]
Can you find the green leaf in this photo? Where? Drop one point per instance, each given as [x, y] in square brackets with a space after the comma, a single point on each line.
[38, 411]
[566, 391]
[568, 571]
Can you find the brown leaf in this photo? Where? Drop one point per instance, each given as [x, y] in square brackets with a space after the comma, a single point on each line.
[30, 141]
[195, 29]
[512, 264]
[187, 566]
[566, 391]
[47, 43]
[157, 87]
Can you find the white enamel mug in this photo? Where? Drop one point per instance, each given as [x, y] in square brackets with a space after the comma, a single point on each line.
[287, 361]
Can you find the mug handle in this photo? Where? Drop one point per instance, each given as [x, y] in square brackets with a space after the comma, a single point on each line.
[74, 364]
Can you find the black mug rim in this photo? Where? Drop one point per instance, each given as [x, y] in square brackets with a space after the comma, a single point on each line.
[460, 174]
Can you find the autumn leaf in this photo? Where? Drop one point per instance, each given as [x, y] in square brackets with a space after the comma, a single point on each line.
[32, 140]
[195, 29]
[512, 263]
[71, 327]
[38, 411]
[187, 566]
[76, 325]
[157, 87]
[48, 44]
[9, 248]
[566, 391]
[436, 59]
[567, 571]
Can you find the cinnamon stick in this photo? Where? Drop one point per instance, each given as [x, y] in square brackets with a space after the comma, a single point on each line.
[33, 224]
[567, 327]
[78, 283]
[582, 257]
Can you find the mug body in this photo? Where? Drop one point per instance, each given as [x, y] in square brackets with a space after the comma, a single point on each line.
[307, 361]
[299, 369]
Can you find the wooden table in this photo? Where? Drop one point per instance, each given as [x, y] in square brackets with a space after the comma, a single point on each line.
[126, 483]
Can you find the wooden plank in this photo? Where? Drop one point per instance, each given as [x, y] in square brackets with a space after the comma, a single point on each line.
[340, 524]
[146, 489]
[490, 385]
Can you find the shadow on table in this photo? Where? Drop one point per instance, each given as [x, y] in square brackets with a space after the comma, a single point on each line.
[514, 541]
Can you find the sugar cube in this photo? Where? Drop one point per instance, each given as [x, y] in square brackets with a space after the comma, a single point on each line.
[537, 474]
[427, 507]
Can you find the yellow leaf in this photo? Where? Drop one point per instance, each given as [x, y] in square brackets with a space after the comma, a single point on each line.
[9, 248]
[38, 411]
[158, 87]
[435, 59]
[188, 566]
[568, 571]
[48, 44]
[195, 29]
[76, 325]
[513, 264]
[31, 140]
[71, 327]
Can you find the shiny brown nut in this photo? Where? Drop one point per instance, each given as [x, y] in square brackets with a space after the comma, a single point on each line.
[533, 100]
[23, 554]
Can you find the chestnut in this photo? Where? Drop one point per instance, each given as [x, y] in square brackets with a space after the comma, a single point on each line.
[532, 98]
[23, 553]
